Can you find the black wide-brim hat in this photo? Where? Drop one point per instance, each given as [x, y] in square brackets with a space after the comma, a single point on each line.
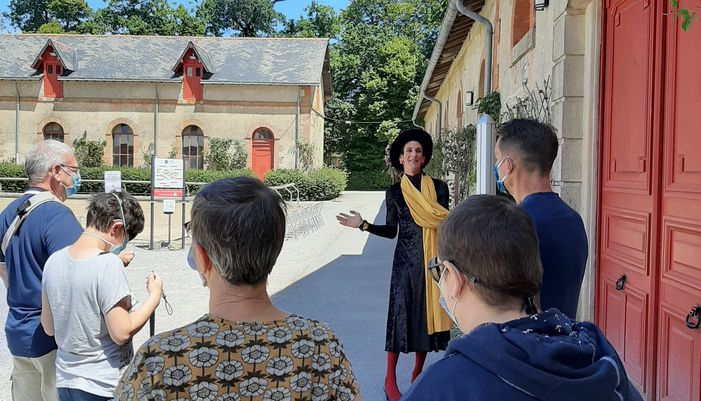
[415, 134]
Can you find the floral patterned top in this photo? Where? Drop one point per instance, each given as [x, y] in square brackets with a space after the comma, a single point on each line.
[214, 359]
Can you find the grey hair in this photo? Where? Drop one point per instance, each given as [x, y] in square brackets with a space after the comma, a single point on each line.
[39, 159]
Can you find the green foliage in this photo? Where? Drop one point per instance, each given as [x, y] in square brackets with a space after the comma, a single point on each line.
[51, 27]
[534, 105]
[89, 153]
[246, 18]
[687, 16]
[306, 156]
[200, 177]
[454, 158]
[491, 105]
[31, 15]
[317, 185]
[139, 17]
[318, 21]
[369, 180]
[225, 154]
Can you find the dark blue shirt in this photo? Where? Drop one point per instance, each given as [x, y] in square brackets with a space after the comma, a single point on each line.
[545, 357]
[47, 229]
[563, 250]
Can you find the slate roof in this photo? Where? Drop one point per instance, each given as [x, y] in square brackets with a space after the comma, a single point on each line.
[274, 61]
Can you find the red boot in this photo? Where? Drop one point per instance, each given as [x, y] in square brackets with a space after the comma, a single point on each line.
[418, 365]
[391, 391]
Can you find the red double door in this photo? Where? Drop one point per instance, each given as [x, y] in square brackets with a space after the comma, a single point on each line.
[649, 232]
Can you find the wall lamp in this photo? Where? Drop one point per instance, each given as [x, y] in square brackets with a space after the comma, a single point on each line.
[540, 5]
[469, 98]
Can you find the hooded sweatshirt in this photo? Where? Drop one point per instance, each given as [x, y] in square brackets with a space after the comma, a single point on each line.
[546, 357]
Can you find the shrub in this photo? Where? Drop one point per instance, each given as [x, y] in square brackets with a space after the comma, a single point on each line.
[88, 153]
[225, 154]
[317, 185]
[128, 174]
[369, 180]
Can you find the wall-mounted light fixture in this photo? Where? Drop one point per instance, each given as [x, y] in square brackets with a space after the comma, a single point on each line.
[540, 5]
[469, 98]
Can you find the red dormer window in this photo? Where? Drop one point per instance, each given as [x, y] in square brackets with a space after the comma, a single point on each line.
[192, 77]
[52, 69]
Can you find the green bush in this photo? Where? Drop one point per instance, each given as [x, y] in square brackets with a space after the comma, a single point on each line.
[87, 152]
[317, 185]
[128, 174]
[368, 180]
[225, 155]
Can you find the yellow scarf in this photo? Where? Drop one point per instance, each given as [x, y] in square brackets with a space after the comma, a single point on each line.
[427, 213]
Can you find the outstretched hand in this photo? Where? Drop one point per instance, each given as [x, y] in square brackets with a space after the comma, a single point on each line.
[353, 220]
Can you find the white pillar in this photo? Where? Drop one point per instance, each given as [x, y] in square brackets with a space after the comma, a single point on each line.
[486, 137]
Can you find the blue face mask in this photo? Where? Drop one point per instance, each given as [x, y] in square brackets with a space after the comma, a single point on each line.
[444, 305]
[73, 189]
[500, 181]
[191, 260]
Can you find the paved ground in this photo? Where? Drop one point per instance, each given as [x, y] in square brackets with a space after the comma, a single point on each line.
[337, 275]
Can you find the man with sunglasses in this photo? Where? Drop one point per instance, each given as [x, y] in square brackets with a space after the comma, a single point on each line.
[510, 352]
[525, 152]
[53, 171]
[86, 301]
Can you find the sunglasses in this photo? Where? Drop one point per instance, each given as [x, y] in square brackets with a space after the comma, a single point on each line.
[436, 267]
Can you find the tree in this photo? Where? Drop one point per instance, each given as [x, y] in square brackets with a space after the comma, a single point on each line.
[31, 15]
[318, 21]
[187, 24]
[139, 17]
[28, 15]
[378, 64]
[246, 18]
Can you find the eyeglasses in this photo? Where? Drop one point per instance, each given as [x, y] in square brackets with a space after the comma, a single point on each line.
[70, 169]
[187, 227]
[436, 267]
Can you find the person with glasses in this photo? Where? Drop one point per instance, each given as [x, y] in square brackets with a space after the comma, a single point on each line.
[525, 152]
[415, 205]
[244, 347]
[52, 172]
[488, 271]
[86, 301]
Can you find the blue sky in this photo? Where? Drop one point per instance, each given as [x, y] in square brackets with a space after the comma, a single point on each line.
[291, 8]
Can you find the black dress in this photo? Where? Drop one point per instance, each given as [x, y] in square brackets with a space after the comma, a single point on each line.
[406, 320]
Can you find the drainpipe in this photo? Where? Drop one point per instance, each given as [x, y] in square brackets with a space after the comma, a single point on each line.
[17, 100]
[155, 123]
[299, 88]
[489, 36]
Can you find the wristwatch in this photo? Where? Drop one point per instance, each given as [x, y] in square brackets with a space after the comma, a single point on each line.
[364, 225]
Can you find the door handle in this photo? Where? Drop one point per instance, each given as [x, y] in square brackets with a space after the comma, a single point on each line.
[621, 282]
[693, 319]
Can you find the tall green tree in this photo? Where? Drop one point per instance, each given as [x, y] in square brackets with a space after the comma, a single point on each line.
[318, 21]
[139, 17]
[60, 15]
[378, 64]
[239, 17]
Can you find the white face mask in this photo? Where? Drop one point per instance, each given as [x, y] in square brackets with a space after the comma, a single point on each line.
[444, 305]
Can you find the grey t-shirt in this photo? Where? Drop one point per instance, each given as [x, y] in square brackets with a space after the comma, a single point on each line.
[80, 293]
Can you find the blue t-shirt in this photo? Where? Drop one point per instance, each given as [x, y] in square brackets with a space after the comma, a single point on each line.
[47, 229]
[563, 250]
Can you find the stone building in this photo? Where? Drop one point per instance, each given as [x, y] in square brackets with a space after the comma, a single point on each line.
[171, 94]
[623, 95]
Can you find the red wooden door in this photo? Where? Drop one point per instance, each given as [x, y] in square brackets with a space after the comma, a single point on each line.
[262, 157]
[679, 347]
[625, 290]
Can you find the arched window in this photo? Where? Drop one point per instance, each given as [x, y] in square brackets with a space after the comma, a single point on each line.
[521, 22]
[263, 134]
[193, 147]
[53, 131]
[122, 146]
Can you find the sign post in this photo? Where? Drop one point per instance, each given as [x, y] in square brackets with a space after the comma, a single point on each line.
[113, 181]
[168, 181]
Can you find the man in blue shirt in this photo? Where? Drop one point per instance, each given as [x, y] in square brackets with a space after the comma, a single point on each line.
[525, 152]
[50, 167]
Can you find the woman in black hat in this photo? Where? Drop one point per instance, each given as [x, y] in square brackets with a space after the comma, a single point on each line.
[415, 205]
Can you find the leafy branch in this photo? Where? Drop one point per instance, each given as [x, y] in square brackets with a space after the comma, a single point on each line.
[687, 16]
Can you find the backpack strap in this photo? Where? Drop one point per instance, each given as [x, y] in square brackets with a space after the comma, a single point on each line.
[23, 211]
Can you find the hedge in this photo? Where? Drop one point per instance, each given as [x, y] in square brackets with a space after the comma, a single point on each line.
[370, 180]
[317, 185]
[128, 174]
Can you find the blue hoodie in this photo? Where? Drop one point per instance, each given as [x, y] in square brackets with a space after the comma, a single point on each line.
[546, 357]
